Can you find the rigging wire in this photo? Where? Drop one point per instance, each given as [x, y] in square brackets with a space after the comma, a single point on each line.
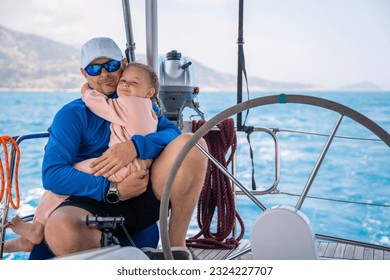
[325, 198]
[276, 130]
[325, 135]
[333, 199]
[241, 70]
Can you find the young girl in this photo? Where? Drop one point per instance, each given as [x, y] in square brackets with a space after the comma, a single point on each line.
[137, 88]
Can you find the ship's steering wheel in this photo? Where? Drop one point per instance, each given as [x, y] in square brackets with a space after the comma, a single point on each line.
[257, 102]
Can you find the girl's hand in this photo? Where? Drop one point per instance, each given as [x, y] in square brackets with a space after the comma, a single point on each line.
[84, 88]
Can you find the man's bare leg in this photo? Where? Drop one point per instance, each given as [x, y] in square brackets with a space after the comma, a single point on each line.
[66, 233]
[18, 244]
[33, 232]
[186, 186]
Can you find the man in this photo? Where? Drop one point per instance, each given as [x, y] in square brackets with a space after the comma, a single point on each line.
[77, 134]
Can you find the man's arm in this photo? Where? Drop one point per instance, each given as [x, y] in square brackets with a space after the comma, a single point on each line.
[151, 145]
[107, 108]
[143, 147]
[58, 175]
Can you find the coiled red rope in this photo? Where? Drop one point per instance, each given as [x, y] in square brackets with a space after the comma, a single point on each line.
[6, 183]
[217, 193]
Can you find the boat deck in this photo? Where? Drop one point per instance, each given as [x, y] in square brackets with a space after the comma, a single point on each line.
[326, 250]
[338, 250]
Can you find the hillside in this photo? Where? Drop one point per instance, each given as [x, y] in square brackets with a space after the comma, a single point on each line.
[29, 61]
[36, 63]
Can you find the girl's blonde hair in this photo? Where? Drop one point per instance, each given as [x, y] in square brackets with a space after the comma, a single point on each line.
[153, 80]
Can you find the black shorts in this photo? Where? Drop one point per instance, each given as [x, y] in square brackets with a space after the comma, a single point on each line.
[139, 212]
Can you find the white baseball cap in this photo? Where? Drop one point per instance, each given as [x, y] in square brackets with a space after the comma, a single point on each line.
[98, 48]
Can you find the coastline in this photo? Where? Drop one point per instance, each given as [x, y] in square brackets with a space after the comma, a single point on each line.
[208, 90]
[51, 90]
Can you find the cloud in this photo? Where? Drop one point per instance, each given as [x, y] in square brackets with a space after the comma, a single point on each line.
[325, 42]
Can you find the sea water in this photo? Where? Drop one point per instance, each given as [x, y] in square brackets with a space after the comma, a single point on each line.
[354, 170]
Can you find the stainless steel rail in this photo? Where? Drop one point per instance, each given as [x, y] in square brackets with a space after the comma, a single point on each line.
[5, 203]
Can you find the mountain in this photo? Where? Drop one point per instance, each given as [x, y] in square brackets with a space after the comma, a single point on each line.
[29, 61]
[211, 80]
[362, 86]
[36, 63]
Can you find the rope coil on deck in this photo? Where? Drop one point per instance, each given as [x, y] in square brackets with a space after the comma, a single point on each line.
[217, 193]
[6, 182]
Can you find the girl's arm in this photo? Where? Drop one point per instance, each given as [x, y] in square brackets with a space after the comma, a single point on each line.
[105, 107]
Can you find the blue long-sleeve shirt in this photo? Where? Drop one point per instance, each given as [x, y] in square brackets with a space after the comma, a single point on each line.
[77, 134]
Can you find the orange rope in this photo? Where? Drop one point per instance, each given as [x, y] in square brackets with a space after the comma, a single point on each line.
[6, 182]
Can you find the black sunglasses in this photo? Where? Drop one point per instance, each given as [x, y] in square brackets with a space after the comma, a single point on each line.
[96, 69]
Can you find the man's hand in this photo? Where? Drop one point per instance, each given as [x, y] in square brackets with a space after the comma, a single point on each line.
[116, 157]
[133, 185]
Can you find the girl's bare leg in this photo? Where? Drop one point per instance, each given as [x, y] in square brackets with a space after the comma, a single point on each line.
[18, 244]
[33, 232]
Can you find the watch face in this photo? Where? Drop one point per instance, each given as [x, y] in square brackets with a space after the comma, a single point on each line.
[112, 196]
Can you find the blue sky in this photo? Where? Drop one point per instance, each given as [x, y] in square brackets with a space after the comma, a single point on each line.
[331, 43]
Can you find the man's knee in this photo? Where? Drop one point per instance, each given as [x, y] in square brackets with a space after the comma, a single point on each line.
[185, 137]
[182, 139]
[65, 230]
[195, 163]
[196, 156]
[58, 222]
[63, 223]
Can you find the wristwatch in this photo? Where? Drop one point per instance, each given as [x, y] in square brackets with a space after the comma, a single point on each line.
[112, 195]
